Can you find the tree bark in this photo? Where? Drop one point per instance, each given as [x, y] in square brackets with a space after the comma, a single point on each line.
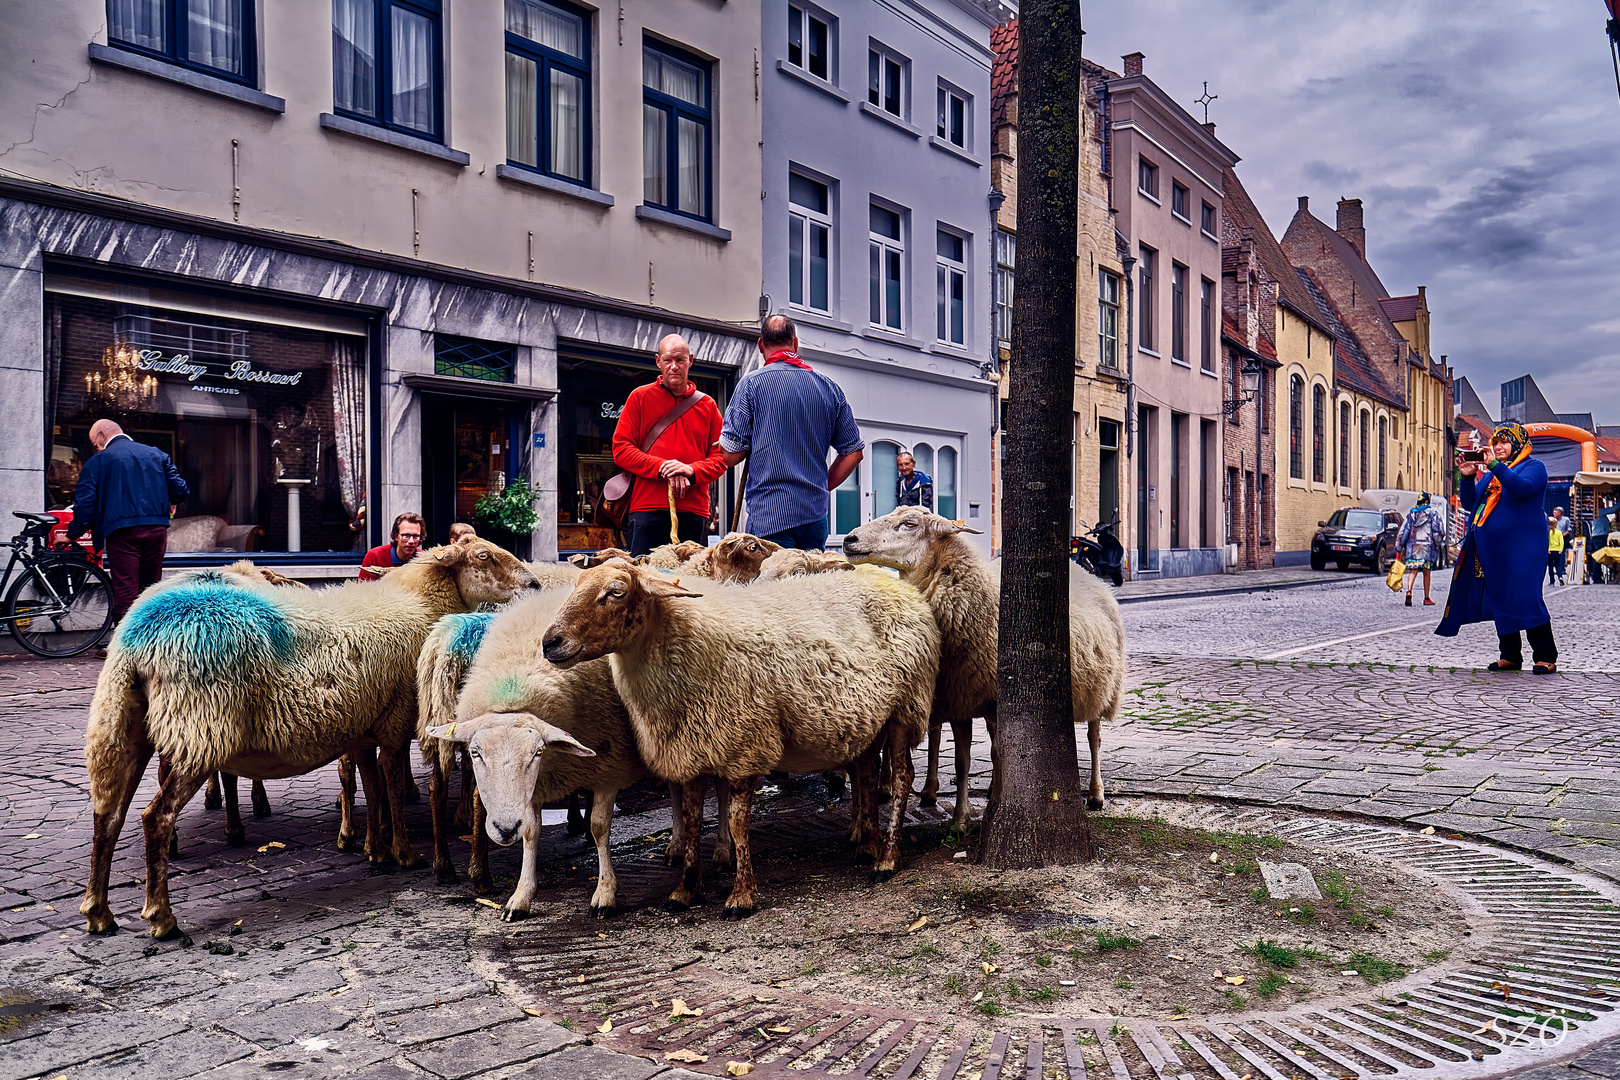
[1037, 814]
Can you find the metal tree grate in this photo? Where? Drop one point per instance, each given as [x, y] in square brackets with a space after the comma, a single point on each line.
[1552, 936]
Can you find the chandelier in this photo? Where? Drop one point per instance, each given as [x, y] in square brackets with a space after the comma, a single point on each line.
[120, 385]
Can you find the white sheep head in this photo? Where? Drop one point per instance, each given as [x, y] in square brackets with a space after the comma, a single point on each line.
[608, 609]
[900, 539]
[509, 757]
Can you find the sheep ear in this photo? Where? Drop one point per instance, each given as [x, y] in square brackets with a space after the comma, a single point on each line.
[771, 546]
[447, 732]
[658, 585]
[553, 737]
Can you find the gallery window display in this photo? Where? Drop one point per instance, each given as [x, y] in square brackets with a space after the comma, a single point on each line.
[263, 410]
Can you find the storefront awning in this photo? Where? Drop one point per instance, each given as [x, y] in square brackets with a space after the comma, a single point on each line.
[482, 389]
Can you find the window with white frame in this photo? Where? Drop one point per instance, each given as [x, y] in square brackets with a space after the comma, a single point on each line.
[809, 40]
[211, 36]
[1108, 319]
[887, 255]
[1206, 325]
[1147, 178]
[885, 80]
[1006, 265]
[950, 288]
[675, 131]
[952, 116]
[1178, 312]
[548, 77]
[1208, 222]
[809, 242]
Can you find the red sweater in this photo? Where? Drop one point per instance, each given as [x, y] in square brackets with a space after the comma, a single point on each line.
[693, 439]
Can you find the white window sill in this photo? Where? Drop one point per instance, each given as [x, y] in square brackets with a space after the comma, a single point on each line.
[955, 151]
[389, 137]
[818, 318]
[1181, 363]
[1145, 351]
[197, 80]
[889, 118]
[1209, 235]
[1154, 199]
[1211, 374]
[812, 81]
[518, 175]
[952, 349]
[681, 221]
[1187, 221]
[897, 337]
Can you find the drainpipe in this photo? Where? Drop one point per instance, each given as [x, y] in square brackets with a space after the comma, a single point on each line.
[995, 199]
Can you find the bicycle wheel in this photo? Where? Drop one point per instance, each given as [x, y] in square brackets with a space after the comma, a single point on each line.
[60, 607]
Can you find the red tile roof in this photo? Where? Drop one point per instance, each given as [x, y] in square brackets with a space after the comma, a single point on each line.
[1608, 448]
[1400, 308]
[1004, 73]
[1350, 365]
[1475, 424]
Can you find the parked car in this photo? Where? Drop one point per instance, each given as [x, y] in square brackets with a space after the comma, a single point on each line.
[1356, 535]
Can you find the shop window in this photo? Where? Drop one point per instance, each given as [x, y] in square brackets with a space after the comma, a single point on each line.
[468, 358]
[847, 504]
[262, 410]
[548, 87]
[385, 63]
[212, 36]
[675, 131]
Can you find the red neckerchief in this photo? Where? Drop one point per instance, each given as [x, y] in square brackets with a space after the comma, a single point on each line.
[787, 356]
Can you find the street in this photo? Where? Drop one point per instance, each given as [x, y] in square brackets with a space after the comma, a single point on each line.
[1331, 697]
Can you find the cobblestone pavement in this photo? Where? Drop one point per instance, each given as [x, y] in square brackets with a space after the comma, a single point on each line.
[1329, 698]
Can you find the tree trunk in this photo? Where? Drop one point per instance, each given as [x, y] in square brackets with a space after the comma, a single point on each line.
[1037, 814]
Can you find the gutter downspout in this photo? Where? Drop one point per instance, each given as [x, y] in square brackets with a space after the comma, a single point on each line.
[992, 367]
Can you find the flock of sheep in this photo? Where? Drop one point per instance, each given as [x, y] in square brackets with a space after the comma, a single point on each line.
[719, 663]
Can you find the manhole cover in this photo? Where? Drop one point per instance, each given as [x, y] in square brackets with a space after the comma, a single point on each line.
[1543, 984]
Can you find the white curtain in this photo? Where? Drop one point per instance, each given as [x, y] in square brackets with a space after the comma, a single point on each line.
[522, 132]
[690, 147]
[214, 34]
[354, 60]
[567, 149]
[348, 356]
[545, 25]
[136, 22]
[413, 70]
[654, 156]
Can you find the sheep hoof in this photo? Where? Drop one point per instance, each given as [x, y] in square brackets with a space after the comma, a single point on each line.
[165, 929]
[927, 800]
[737, 912]
[1094, 804]
[261, 809]
[677, 907]
[236, 837]
[345, 842]
[603, 911]
[106, 926]
[213, 800]
[880, 876]
[445, 874]
[174, 844]
[412, 861]
[514, 914]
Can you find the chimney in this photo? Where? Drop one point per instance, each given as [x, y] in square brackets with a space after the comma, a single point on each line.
[1209, 126]
[1423, 300]
[1304, 204]
[1350, 227]
[1133, 63]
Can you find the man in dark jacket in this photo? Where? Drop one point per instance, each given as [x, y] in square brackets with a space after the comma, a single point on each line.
[127, 492]
[912, 487]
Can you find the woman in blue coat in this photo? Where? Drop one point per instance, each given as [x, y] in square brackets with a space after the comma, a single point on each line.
[1498, 574]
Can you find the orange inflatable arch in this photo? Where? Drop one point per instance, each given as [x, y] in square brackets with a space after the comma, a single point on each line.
[1586, 440]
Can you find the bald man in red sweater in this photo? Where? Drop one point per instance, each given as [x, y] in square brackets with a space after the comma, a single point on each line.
[685, 457]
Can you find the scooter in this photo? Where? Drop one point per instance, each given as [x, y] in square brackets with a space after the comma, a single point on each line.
[1104, 556]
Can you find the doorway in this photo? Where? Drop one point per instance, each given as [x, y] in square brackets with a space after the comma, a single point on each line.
[469, 450]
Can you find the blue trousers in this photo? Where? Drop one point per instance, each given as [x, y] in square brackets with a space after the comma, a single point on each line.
[811, 536]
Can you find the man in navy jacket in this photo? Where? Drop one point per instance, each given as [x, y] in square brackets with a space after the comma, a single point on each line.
[126, 495]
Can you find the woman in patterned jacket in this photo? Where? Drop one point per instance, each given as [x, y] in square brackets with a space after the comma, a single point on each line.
[1421, 541]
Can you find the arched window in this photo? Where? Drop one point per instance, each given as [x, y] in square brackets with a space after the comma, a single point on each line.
[847, 503]
[1366, 437]
[1296, 427]
[1344, 444]
[885, 472]
[945, 483]
[1383, 449]
[1318, 434]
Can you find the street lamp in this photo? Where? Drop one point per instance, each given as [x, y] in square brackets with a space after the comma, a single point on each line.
[1250, 377]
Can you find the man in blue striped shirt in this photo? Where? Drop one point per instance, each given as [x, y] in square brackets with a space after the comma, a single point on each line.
[783, 417]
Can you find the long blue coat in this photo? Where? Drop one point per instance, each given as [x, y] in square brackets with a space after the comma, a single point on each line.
[1498, 575]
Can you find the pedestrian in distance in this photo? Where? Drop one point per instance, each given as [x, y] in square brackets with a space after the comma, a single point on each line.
[1597, 538]
[404, 541]
[667, 438]
[1498, 574]
[1555, 552]
[1423, 532]
[912, 487]
[126, 495]
[783, 419]
[1565, 525]
[462, 533]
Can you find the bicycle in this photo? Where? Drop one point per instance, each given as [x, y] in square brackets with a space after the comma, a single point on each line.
[62, 603]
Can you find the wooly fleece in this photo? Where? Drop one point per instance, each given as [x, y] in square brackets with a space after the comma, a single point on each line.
[234, 674]
[797, 675]
[447, 656]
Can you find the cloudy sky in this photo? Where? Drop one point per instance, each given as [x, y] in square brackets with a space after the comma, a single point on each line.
[1483, 137]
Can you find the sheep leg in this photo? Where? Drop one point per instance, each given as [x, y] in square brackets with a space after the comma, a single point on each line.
[163, 778]
[605, 900]
[157, 820]
[397, 778]
[478, 859]
[212, 799]
[929, 796]
[738, 809]
[366, 763]
[962, 737]
[835, 783]
[1094, 797]
[111, 802]
[725, 847]
[859, 792]
[677, 832]
[261, 801]
[464, 803]
[904, 773]
[235, 834]
[522, 899]
[439, 804]
[869, 770]
[689, 893]
[345, 839]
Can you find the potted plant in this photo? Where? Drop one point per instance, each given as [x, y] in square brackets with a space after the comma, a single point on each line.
[507, 517]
